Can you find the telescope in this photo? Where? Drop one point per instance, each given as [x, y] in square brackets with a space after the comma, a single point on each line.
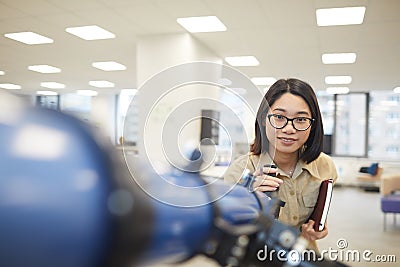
[68, 199]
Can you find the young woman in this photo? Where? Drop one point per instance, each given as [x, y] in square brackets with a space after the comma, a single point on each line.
[289, 135]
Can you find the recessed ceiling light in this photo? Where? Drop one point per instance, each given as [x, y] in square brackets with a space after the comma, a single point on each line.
[46, 93]
[108, 66]
[338, 79]
[129, 92]
[337, 90]
[2, 72]
[92, 32]
[10, 86]
[52, 85]
[397, 90]
[87, 92]
[340, 16]
[263, 80]
[30, 38]
[242, 61]
[44, 69]
[202, 24]
[339, 58]
[101, 84]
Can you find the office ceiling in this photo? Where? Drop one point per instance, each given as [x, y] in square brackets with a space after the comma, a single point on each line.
[282, 34]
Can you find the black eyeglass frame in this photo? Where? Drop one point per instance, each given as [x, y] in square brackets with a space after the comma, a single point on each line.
[311, 120]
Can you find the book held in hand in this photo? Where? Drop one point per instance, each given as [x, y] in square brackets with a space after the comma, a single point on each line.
[321, 208]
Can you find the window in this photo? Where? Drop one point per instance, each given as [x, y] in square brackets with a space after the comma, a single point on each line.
[127, 118]
[350, 131]
[50, 101]
[76, 105]
[327, 107]
[236, 126]
[384, 126]
[392, 149]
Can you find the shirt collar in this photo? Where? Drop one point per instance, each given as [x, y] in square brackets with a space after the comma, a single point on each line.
[312, 168]
[301, 165]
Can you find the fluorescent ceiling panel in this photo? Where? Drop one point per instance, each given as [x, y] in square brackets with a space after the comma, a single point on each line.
[46, 93]
[242, 61]
[337, 90]
[263, 80]
[339, 58]
[202, 24]
[397, 90]
[87, 92]
[10, 86]
[101, 84]
[30, 38]
[340, 16]
[338, 79]
[2, 72]
[89, 33]
[108, 66]
[52, 85]
[44, 69]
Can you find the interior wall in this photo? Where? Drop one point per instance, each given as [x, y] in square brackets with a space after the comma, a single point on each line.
[165, 100]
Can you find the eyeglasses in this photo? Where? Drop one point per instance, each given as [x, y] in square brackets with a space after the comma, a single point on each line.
[299, 123]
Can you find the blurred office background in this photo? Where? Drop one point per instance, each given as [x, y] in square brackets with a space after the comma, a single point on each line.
[352, 63]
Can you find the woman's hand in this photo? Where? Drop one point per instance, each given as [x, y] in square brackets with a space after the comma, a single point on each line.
[308, 232]
[266, 182]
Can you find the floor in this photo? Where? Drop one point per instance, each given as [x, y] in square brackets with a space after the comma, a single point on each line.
[355, 216]
[354, 219]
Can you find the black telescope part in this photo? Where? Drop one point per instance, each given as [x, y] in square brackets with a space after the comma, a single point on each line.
[270, 240]
[271, 166]
[274, 194]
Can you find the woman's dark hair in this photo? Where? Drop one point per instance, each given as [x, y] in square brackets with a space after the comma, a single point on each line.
[314, 143]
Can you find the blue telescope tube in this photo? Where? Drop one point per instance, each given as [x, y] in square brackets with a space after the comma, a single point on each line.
[61, 205]
[54, 188]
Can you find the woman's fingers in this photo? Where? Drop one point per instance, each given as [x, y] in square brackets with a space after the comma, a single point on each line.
[277, 180]
[307, 230]
[268, 170]
[264, 181]
[267, 183]
[268, 180]
[266, 188]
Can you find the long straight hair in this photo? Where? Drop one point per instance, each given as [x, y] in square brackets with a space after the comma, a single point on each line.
[314, 144]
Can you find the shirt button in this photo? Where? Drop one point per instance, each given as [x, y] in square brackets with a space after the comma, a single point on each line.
[294, 217]
[292, 193]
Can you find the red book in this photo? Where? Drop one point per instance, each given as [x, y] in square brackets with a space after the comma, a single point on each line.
[321, 208]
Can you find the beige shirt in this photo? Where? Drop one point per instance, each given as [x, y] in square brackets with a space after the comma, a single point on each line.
[299, 192]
